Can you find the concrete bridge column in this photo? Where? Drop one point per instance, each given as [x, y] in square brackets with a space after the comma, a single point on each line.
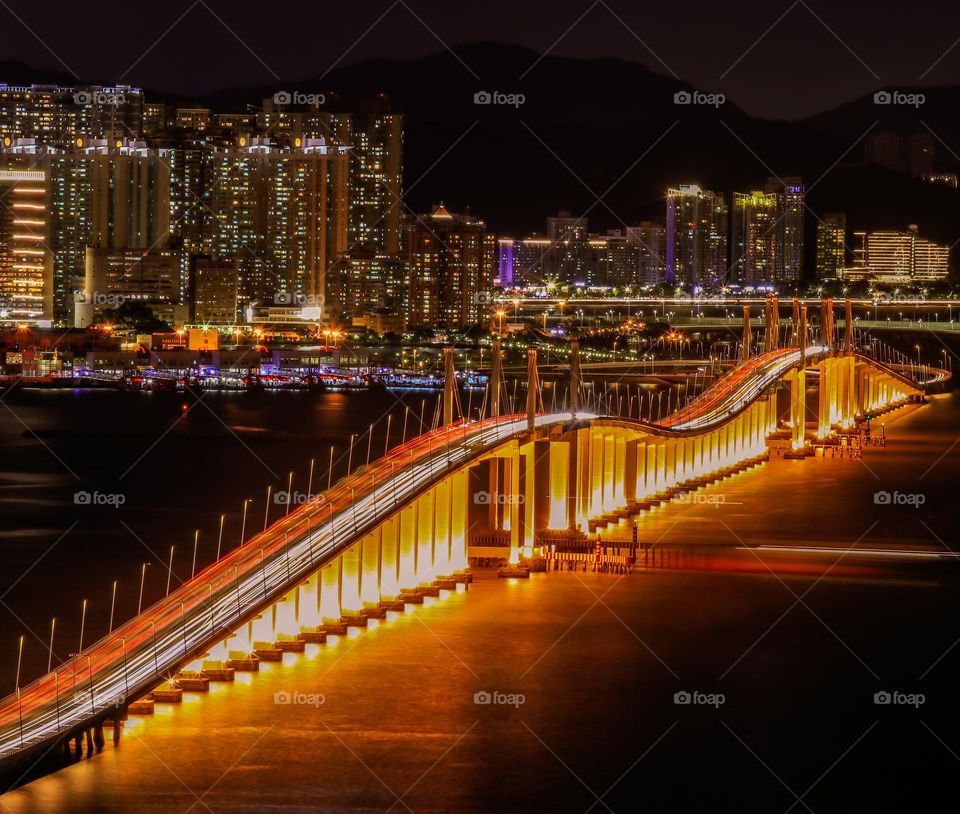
[619, 473]
[596, 473]
[869, 382]
[640, 484]
[285, 614]
[308, 606]
[608, 464]
[842, 382]
[836, 401]
[557, 492]
[389, 559]
[845, 389]
[512, 508]
[583, 485]
[654, 466]
[683, 451]
[330, 591]
[671, 462]
[441, 529]
[459, 494]
[424, 564]
[350, 579]
[528, 484]
[823, 398]
[860, 389]
[407, 547]
[797, 380]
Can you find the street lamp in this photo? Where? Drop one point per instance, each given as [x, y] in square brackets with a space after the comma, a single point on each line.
[143, 576]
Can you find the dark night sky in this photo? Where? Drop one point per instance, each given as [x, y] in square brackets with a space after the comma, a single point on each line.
[775, 59]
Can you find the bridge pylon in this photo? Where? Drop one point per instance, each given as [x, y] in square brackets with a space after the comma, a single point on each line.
[533, 388]
[575, 376]
[747, 334]
[496, 379]
[771, 309]
[449, 386]
[774, 329]
[826, 322]
[848, 327]
[798, 390]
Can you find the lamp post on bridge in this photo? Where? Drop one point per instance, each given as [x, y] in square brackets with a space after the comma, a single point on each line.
[113, 604]
[243, 523]
[533, 385]
[220, 536]
[83, 624]
[266, 511]
[169, 570]
[143, 577]
[53, 627]
[496, 379]
[449, 386]
[17, 686]
[196, 540]
[353, 437]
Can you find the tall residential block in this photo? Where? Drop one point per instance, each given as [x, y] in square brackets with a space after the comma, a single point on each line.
[452, 263]
[831, 245]
[696, 240]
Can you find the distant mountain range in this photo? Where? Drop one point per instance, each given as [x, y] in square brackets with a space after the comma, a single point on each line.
[611, 128]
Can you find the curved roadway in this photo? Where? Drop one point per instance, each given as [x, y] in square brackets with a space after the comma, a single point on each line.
[143, 651]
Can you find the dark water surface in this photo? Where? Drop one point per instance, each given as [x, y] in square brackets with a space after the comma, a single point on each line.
[796, 642]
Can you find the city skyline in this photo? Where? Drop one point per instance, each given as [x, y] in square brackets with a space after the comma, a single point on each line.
[429, 407]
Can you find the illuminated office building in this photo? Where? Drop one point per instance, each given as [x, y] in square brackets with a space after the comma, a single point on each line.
[754, 238]
[374, 136]
[521, 262]
[790, 195]
[651, 238]
[696, 240]
[213, 290]
[376, 179]
[115, 276]
[623, 261]
[896, 258]
[101, 194]
[831, 245]
[452, 266]
[364, 282]
[281, 215]
[26, 262]
[57, 115]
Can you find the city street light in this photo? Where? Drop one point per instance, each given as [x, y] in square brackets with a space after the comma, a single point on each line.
[53, 627]
[220, 535]
[169, 570]
[243, 524]
[83, 624]
[143, 576]
[113, 603]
